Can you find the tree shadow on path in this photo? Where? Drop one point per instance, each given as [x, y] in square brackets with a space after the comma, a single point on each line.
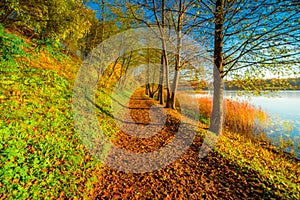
[189, 177]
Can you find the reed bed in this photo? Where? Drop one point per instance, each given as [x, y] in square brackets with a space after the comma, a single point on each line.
[240, 117]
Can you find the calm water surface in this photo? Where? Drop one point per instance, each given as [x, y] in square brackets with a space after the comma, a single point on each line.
[283, 108]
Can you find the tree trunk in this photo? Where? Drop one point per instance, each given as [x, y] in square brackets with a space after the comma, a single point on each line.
[177, 67]
[161, 81]
[217, 116]
[165, 57]
[102, 19]
[174, 88]
[168, 103]
[151, 95]
[177, 56]
[148, 74]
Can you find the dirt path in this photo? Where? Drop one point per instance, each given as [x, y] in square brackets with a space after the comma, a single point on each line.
[213, 177]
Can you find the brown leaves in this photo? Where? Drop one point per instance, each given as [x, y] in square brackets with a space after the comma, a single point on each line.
[213, 177]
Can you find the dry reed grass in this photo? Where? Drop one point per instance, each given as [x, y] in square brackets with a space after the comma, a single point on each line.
[240, 117]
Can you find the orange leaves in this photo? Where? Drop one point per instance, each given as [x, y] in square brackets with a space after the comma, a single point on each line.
[213, 177]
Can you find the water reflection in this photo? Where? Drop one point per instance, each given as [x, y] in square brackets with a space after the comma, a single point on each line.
[283, 108]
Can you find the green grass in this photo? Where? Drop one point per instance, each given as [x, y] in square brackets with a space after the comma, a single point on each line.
[41, 153]
[274, 166]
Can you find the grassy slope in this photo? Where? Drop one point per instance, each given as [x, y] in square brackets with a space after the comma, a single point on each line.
[41, 153]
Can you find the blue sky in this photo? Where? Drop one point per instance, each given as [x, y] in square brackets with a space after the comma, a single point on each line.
[233, 42]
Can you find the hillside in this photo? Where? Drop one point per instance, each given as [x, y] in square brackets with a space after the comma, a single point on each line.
[41, 154]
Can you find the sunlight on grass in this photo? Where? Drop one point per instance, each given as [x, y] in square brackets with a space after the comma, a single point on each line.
[42, 156]
[275, 167]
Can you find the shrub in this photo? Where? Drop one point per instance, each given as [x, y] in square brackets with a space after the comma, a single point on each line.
[11, 48]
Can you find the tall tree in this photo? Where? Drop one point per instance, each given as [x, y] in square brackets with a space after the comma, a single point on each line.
[162, 61]
[171, 15]
[62, 20]
[251, 39]
[182, 24]
[155, 15]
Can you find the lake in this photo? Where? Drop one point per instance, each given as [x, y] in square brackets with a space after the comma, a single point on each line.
[283, 108]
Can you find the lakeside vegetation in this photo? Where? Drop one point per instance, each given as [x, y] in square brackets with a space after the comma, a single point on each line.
[271, 84]
[266, 84]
